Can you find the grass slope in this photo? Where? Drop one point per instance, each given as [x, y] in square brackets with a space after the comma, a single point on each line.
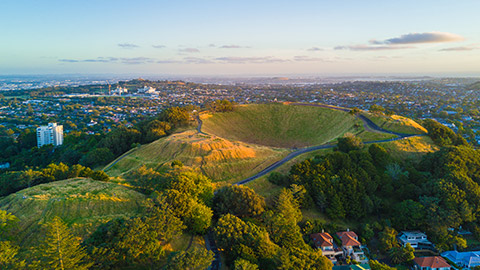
[217, 158]
[81, 203]
[279, 125]
[396, 123]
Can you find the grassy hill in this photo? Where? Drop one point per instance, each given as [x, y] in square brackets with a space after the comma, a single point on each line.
[396, 123]
[217, 158]
[279, 125]
[81, 203]
[238, 144]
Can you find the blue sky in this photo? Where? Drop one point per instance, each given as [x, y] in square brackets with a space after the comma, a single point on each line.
[240, 37]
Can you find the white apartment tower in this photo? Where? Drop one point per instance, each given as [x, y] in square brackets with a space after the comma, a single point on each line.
[51, 134]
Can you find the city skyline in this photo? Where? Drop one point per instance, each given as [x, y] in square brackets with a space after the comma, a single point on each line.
[236, 38]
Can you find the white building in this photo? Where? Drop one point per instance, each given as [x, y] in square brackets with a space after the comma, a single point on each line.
[416, 239]
[147, 90]
[119, 91]
[51, 134]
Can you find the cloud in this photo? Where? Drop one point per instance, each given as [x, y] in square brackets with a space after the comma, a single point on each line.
[461, 48]
[417, 38]
[169, 62]
[127, 45]
[371, 48]
[158, 46]
[232, 47]
[190, 50]
[123, 60]
[252, 60]
[314, 49]
[304, 58]
[68, 60]
[211, 45]
[197, 60]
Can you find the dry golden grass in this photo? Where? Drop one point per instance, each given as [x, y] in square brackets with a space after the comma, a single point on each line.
[410, 148]
[396, 123]
[217, 158]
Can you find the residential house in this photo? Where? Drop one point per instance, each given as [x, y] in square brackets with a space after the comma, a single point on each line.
[431, 263]
[467, 259]
[351, 247]
[416, 239]
[324, 242]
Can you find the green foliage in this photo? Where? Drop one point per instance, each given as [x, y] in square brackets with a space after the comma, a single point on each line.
[401, 254]
[301, 258]
[241, 201]
[387, 239]
[194, 259]
[120, 140]
[60, 249]
[97, 157]
[220, 106]
[14, 181]
[349, 143]
[9, 256]
[241, 264]
[376, 265]
[239, 239]
[278, 179]
[441, 134]
[408, 214]
[137, 242]
[376, 108]
[176, 116]
[176, 163]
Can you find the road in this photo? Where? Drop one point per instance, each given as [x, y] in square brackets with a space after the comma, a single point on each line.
[368, 124]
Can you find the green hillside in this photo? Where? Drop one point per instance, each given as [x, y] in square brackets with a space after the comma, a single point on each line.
[217, 158]
[81, 203]
[280, 125]
[396, 123]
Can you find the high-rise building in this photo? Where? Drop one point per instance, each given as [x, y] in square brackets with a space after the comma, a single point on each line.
[51, 134]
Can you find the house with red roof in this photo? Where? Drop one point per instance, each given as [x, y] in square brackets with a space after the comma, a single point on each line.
[324, 242]
[431, 263]
[351, 246]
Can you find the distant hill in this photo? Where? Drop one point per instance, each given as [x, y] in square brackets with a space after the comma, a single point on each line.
[81, 203]
[475, 86]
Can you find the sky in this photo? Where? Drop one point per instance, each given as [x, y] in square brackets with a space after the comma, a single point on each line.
[231, 37]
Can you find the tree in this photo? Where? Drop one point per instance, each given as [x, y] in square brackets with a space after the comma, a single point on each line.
[60, 249]
[376, 108]
[387, 239]
[376, 265]
[241, 201]
[400, 254]
[241, 264]
[8, 256]
[176, 116]
[193, 259]
[302, 258]
[97, 157]
[349, 142]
